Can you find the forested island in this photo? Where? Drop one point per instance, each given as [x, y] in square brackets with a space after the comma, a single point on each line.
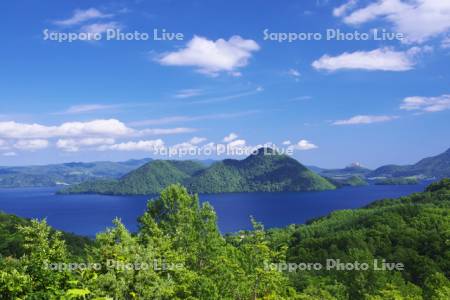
[186, 257]
[264, 171]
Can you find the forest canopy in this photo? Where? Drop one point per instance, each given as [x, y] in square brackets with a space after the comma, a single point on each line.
[179, 253]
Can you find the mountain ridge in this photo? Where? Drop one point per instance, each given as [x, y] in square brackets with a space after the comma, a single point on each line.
[437, 166]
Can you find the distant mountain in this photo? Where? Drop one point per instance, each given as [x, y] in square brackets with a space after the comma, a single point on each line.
[64, 174]
[265, 171]
[316, 169]
[436, 166]
[352, 170]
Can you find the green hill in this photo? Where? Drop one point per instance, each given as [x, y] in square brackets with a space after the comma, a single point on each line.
[411, 230]
[151, 178]
[266, 172]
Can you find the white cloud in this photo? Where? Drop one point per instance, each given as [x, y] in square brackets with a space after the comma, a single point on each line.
[98, 28]
[426, 104]
[294, 72]
[87, 108]
[9, 154]
[111, 128]
[446, 43]
[300, 98]
[341, 10]
[231, 137]
[197, 140]
[383, 59]
[165, 131]
[183, 147]
[287, 143]
[31, 145]
[212, 57]
[188, 93]
[179, 119]
[161, 121]
[80, 16]
[235, 144]
[419, 20]
[100, 127]
[259, 89]
[144, 145]
[304, 145]
[4, 145]
[74, 145]
[365, 119]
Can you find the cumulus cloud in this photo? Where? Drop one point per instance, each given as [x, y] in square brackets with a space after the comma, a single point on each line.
[100, 127]
[383, 59]
[426, 104]
[74, 145]
[304, 145]
[232, 136]
[79, 16]
[197, 140]
[419, 20]
[235, 144]
[287, 143]
[95, 128]
[31, 145]
[212, 57]
[365, 119]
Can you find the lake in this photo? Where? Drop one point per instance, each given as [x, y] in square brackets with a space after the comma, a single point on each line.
[89, 214]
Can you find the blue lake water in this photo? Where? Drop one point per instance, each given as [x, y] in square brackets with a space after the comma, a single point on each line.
[89, 214]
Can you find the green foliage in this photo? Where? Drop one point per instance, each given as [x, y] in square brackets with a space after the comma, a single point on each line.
[398, 181]
[149, 179]
[12, 239]
[350, 181]
[265, 171]
[440, 186]
[179, 233]
[413, 230]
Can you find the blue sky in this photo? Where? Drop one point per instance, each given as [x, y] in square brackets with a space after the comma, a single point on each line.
[332, 101]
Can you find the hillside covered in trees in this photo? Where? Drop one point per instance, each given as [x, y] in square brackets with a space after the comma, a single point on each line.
[265, 171]
[179, 253]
